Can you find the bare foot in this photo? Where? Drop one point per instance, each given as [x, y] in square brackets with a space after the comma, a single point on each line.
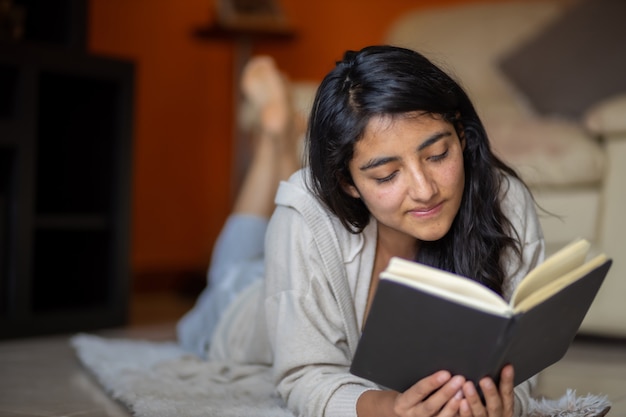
[266, 88]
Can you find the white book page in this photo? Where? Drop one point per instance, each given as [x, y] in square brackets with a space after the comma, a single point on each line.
[446, 285]
[558, 284]
[560, 263]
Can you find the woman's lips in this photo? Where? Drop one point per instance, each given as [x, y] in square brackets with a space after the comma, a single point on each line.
[428, 211]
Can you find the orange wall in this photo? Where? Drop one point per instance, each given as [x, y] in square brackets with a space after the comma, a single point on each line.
[184, 101]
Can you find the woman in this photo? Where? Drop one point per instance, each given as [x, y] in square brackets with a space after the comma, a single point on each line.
[399, 164]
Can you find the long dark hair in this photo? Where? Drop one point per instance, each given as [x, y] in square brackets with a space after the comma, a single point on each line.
[388, 80]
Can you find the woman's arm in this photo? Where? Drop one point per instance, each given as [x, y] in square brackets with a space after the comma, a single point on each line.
[313, 340]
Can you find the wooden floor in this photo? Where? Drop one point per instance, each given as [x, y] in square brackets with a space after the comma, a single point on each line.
[148, 308]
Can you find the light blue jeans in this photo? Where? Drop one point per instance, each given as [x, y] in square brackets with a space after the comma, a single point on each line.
[236, 262]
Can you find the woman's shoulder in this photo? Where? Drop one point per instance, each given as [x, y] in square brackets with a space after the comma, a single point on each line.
[295, 199]
[297, 207]
[296, 193]
[515, 195]
[519, 206]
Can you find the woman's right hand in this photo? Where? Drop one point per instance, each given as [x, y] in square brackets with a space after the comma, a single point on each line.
[439, 394]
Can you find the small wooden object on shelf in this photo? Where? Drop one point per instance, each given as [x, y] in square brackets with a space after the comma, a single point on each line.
[247, 18]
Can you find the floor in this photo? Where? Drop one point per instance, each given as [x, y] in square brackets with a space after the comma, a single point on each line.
[41, 376]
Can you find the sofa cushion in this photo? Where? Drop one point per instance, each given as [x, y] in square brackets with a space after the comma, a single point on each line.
[547, 152]
[575, 61]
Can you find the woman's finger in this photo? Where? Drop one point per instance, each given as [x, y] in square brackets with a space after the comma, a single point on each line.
[422, 389]
[507, 384]
[431, 396]
[473, 403]
[493, 400]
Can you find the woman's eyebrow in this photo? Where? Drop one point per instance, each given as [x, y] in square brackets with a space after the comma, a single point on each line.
[434, 138]
[376, 162]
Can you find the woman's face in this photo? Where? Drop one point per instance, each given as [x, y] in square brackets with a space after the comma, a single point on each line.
[408, 170]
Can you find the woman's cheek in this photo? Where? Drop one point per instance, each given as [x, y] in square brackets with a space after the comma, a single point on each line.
[388, 198]
[452, 174]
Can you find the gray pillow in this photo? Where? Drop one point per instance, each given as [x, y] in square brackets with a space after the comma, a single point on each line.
[577, 60]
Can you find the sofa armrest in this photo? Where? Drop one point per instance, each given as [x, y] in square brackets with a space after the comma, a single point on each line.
[608, 118]
[605, 318]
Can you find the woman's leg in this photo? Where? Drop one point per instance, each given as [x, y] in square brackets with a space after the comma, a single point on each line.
[237, 258]
[276, 151]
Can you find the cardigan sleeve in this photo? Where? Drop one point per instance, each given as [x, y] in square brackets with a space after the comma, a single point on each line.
[306, 325]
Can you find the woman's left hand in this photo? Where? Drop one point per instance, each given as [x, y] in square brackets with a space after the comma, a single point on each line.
[499, 400]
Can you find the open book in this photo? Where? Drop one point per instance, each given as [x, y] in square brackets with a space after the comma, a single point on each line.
[423, 320]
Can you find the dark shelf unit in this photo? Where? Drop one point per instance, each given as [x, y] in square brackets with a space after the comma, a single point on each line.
[65, 174]
[61, 23]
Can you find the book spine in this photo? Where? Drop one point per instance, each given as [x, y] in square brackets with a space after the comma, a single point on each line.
[503, 346]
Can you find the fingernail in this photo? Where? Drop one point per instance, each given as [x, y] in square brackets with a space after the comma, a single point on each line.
[443, 377]
[470, 389]
[486, 383]
[458, 395]
[458, 381]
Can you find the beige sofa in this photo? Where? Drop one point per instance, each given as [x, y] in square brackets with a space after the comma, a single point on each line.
[575, 166]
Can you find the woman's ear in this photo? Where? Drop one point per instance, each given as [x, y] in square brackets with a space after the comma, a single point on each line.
[350, 189]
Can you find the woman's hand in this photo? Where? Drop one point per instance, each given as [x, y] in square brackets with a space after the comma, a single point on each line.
[443, 395]
[437, 395]
[499, 401]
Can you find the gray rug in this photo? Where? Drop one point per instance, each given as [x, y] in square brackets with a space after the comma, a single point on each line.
[158, 379]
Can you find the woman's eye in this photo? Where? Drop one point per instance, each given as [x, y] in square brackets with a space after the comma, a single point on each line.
[386, 179]
[438, 157]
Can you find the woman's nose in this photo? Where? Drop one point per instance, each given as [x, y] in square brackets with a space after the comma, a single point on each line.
[422, 187]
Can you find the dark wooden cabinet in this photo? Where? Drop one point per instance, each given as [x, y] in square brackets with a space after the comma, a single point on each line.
[65, 178]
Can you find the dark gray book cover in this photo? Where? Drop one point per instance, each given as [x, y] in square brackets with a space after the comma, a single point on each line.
[410, 334]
